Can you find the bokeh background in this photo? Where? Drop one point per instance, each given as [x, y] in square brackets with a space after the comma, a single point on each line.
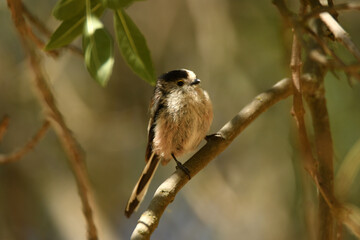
[256, 189]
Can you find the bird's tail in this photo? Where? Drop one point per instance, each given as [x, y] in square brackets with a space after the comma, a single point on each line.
[142, 185]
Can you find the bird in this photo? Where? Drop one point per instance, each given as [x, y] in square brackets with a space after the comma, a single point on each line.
[181, 114]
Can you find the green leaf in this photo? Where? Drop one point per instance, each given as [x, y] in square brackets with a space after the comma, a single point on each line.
[133, 47]
[98, 49]
[70, 29]
[66, 9]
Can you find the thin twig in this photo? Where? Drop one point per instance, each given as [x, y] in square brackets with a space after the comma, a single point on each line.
[46, 98]
[44, 30]
[351, 68]
[36, 21]
[298, 108]
[291, 19]
[337, 63]
[298, 111]
[340, 34]
[330, 9]
[3, 126]
[216, 144]
[298, 24]
[12, 157]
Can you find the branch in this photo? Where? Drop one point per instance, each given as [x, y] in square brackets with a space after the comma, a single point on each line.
[329, 206]
[3, 126]
[324, 152]
[299, 24]
[35, 21]
[336, 62]
[331, 9]
[12, 157]
[298, 108]
[40, 26]
[216, 144]
[323, 140]
[45, 96]
[44, 30]
[340, 34]
[317, 103]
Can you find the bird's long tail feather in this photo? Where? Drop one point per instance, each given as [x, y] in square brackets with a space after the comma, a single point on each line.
[142, 185]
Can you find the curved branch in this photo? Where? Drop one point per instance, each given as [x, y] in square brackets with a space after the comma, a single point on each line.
[216, 144]
[14, 156]
[46, 98]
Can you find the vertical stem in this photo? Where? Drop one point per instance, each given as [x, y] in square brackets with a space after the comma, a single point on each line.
[298, 107]
[323, 140]
[324, 151]
[308, 160]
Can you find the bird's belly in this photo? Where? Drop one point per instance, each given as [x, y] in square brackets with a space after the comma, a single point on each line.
[177, 135]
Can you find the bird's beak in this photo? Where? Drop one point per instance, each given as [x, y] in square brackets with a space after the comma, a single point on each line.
[195, 82]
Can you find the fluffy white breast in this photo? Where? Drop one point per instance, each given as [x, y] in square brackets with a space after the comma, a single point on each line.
[183, 123]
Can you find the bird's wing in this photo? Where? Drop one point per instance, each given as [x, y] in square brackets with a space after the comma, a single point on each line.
[156, 107]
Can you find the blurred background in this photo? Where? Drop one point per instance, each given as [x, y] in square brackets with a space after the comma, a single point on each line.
[256, 189]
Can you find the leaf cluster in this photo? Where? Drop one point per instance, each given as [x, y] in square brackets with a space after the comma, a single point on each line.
[82, 18]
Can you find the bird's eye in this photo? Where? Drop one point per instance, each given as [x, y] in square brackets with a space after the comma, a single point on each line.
[180, 83]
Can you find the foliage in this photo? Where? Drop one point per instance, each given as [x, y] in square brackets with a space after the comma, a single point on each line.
[82, 18]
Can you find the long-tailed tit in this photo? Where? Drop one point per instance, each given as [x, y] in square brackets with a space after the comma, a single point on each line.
[180, 116]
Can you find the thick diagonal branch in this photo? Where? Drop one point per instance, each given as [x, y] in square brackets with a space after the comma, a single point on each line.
[216, 144]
